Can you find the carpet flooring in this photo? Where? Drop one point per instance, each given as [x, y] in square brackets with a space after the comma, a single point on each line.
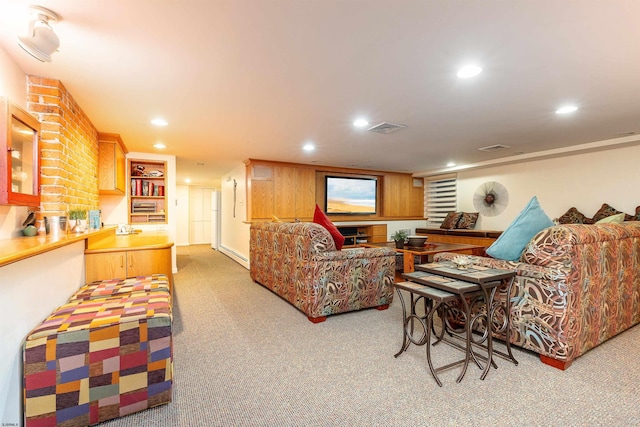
[245, 357]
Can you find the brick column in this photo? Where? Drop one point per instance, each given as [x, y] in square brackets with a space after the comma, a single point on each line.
[69, 148]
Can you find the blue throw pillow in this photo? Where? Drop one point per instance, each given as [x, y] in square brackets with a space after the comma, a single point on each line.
[512, 241]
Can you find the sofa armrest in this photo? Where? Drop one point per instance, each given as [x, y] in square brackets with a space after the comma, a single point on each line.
[521, 268]
[356, 253]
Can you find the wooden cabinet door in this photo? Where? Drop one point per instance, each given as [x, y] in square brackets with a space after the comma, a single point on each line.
[295, 193]
[108, 265]
[305, 193]
[401, 198]
[150, 261]
[379, 233]
[121, 170]
[284, 201]
[112, 174]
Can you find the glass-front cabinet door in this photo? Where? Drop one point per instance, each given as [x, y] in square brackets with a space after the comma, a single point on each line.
[20, 163]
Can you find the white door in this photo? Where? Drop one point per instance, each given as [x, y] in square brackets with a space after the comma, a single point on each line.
[200, 215]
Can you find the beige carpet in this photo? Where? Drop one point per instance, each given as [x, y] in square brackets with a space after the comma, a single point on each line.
[244, 357]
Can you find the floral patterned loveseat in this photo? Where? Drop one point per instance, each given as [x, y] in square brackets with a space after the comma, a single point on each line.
[299, 262]
[576, 287]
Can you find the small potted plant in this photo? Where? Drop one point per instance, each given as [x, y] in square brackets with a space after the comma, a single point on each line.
[399, 237]
[77, 216]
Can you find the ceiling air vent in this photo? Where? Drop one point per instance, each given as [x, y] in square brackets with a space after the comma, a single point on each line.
[385, 127]
[496, 147]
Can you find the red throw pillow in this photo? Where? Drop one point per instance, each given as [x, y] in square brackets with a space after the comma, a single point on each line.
[321, 218]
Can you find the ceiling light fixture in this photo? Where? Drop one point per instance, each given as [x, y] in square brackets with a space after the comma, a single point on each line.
[450, 164]
[468, 71]
[159, 122]
[308, 147]
[159, 145]
[566, 109]
[41, 41]
[360, 123]
[187, 180]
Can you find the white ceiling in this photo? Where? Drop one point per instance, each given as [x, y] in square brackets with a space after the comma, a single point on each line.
[240, 79]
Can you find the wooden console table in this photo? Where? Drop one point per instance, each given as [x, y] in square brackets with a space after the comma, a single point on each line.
[428, 250]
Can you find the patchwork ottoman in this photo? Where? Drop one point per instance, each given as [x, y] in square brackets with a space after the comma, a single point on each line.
[97, 359]
[131, 285]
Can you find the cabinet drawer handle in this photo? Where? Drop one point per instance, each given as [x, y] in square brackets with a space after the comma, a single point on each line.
[121, 261]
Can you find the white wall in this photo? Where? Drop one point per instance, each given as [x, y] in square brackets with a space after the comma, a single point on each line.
[13, 81]
[584, 181]
[13, 85]
[29, 291]
[182, 212]
[234, 238]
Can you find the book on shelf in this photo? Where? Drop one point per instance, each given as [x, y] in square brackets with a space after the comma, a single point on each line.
[145, 188]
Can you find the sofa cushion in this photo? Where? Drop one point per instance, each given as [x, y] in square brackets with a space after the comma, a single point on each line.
[525, 226]
[617, 219]
[467, 220]
[321, 218]
[606, 210]
[574, 216]
[451, 220]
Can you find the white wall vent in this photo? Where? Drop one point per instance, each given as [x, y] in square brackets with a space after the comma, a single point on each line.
[496, 147]
[386, 127]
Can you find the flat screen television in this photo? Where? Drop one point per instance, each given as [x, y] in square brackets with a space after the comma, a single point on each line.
[346, 195]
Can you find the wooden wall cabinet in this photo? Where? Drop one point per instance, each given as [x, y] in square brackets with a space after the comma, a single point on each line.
[291, 191]
[123, 264]
[19, 156]
[402, 197]
[147, 199]
[359, 234]
[112, 173]
[285, 191]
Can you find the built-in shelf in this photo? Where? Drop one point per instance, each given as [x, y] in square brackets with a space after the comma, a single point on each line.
[147, 192]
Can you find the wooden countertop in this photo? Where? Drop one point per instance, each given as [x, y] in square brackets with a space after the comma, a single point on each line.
[96, 241]
[129, 242]
[19, 248]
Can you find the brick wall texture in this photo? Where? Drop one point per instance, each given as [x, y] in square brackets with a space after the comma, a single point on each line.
[69, 149]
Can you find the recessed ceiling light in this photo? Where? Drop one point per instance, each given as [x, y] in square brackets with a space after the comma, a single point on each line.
[566, 109]
[450, 164]
[159, 122]
[308, 147]
[470, 70]
[187, 180]
[360, 123]
[159, 145]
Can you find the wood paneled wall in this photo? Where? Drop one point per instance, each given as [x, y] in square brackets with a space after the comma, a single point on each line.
[290, 191]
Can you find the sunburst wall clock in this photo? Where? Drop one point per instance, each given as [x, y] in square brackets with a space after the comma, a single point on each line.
[491, 198]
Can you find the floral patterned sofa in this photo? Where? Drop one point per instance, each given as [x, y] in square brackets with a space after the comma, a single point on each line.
[299, 262]
[576, 287]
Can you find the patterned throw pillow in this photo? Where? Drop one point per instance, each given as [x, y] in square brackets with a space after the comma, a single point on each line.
[451, 220]
[574, 216]
[606, 210]
[467, 220]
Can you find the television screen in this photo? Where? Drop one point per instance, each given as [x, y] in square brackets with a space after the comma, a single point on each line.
[350, 195]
